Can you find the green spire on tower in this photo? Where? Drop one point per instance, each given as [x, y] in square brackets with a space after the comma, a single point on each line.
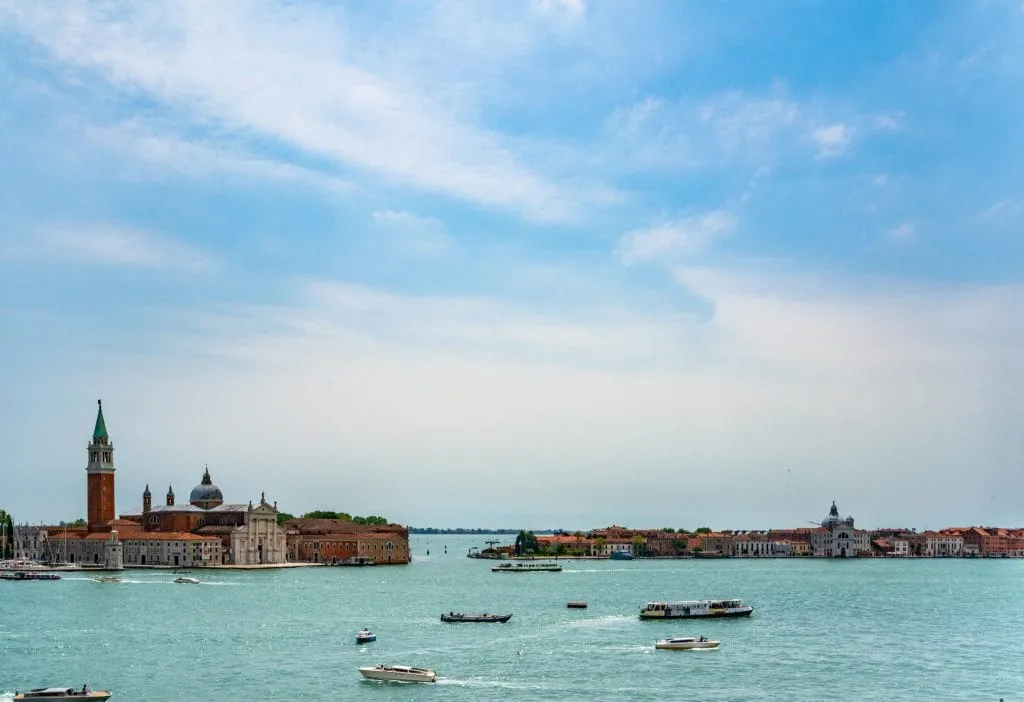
[100, 432]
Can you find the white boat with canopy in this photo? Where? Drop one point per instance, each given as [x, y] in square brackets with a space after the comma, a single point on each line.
[695, 609]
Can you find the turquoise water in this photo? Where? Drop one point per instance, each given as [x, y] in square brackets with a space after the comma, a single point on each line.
[821, 630]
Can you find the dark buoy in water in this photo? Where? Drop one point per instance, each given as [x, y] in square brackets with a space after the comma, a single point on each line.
[428, 551]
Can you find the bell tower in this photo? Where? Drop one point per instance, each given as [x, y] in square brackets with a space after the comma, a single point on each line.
[100, 474]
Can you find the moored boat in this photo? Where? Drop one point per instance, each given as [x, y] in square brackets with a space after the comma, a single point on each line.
[27, 575]
[63, 693]
[365, 636]
[576, 604]
[184, 580]
[398, 673]
[457, 617]
[527, 568]
[695, 609]
[620, 556]
[686, 643]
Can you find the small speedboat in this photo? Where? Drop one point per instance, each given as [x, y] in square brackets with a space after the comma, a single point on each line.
[108, 579]
[455, 618]
[398, 673]
[63, 693]
[686, 643]
[365, 636]
[186, 581]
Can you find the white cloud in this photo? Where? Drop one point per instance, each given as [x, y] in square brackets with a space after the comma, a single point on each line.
[573, 7]
[411, 233]
[292, 76]
[118, 246]
[204, 158]
[880, 180]
[903, 232]
[1008, 206]
[683, 237]
[833, 139]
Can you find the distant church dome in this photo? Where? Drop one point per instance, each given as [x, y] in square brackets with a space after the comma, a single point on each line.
[833, 519]
[206, 495]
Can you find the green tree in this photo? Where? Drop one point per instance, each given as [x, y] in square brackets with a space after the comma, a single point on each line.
[6, 535]
[668, 530]
[703, 530]
[679, 545]
[526, 542]
[283, 517]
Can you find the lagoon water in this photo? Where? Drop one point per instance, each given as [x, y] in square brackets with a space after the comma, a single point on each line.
[821, 630]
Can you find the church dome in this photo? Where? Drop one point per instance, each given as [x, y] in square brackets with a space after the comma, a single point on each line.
[833, 519]
[206, 494]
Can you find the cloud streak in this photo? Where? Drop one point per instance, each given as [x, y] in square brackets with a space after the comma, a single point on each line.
[281, 76]
[675, 239]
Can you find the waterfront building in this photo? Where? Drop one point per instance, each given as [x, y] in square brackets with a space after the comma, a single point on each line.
[942, 545]
[837, 537]
[333, 541]
[249, 535]
[204, 532]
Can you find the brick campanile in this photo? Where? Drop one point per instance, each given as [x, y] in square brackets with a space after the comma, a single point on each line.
[100, 474]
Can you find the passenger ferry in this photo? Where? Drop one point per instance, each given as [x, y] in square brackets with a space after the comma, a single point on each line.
[527, 568]
[695, 609]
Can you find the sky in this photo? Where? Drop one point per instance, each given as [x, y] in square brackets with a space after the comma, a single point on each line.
[548, 263]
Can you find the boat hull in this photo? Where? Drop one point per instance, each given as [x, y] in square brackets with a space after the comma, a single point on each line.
[708, 615]
[92, 695]
[686, 646]
[419, 675]
[475, 618]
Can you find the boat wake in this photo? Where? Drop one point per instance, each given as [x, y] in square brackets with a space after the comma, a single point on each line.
[500, 684]
[610, 620]
[6, 696]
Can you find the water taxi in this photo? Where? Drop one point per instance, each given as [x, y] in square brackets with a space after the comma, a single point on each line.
[398, 673]
[63, 693]
[686, 643]
[184, 580]
[527, 568]
[365, 636]
[695, 609]
[108, 579]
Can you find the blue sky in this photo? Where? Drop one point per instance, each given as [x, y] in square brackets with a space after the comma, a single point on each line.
[549, 263]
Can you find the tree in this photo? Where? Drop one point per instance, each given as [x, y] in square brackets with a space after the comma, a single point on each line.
[283, 517]
[526, 542]
[668, 530]
[703, 530]
[679, 545]
[77, 523]
[639, 545]
[6, 535]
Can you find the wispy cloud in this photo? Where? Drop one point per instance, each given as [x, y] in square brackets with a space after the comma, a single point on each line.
[575, 7]
[411, 233]
[833, 139]
[283, 76]
[674, 239]
[203, 159]
[903, 232]
[115, 245]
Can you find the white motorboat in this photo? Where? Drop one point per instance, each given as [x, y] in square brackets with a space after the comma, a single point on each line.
[696, 609]
[686, 643]
[365, 636]
[108, 579]
[521, 567]
[184, 580]
[398, 673]
[63, 693]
